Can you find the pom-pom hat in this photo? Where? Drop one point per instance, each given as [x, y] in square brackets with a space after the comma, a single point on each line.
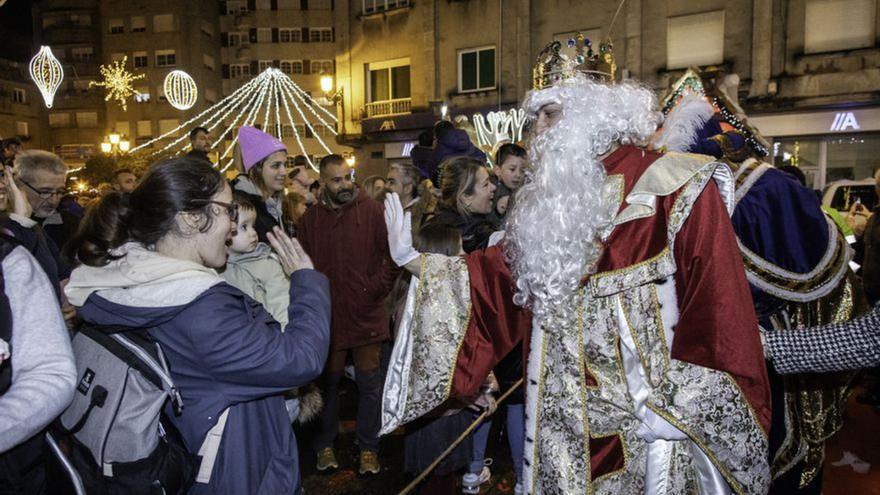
[256, 145]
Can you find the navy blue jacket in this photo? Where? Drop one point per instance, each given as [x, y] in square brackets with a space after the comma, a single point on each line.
[225, 350]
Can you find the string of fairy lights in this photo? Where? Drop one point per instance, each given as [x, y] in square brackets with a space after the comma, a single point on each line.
[692, 82]
[271, 100]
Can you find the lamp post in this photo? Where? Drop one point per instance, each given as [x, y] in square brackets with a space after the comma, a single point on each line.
[332, 97]
[115, 144]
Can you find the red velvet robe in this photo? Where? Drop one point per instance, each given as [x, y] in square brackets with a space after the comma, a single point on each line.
[717, 326]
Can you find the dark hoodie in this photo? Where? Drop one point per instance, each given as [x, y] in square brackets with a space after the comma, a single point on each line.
[454, 143]
[350, 247]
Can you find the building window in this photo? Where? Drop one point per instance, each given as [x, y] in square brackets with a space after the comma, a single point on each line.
[264, 5]
[290, 35]
[82, 54]
[49, 21]
[321, 67]
[117, 26]
[123, 127]
[695, 40]
[140, 60]
[389, 81]
[239, 71]
[476, 69]
[235, 39]
[19, 96]
[207, 29]
[163, 23]
[236, 6]
[371, 6]
[166, 58]
[81, 19]
[264, 64]
[138, 24]
[87, 119]
[160, 92]
[144, 128]
[317, 35]
[59, 120]
[117, 57]
[21, 128]
[142, 94]
[834, 25]
[208, 61]
[286, 66]
[286, 131]
[167, 125]
[297, 67]
[264, 35]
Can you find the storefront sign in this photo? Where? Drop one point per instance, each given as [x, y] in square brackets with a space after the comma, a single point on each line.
[844, 121]
[813, 123]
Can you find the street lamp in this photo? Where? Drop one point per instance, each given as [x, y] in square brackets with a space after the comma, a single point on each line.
[115, 144]
[350, 159]
[332, 97]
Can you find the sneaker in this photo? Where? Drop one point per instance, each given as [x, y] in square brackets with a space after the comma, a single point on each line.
[369, 462]
[470, 482]
[518, 489]
[327, 460]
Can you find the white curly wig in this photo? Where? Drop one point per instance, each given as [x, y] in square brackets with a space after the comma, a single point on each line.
[553, 228]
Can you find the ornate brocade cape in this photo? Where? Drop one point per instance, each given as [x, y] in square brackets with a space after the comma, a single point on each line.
[666, 324]
[797, 265]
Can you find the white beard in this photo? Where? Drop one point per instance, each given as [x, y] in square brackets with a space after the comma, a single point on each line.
[553, 229]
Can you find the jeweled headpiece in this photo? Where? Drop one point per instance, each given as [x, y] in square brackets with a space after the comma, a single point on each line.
[558, 62]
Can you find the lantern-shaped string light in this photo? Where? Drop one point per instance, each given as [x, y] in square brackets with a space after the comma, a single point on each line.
[180, 90]
[47, 74]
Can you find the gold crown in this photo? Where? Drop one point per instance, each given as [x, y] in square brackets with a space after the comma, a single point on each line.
[557, 63]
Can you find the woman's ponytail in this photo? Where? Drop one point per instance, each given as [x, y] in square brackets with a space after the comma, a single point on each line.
[104, 228]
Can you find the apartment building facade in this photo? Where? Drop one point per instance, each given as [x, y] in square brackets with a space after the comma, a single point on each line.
[297, 37]
[21, 105]
[806, 71]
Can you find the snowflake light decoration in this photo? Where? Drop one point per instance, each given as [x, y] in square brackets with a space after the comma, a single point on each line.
[118, 82]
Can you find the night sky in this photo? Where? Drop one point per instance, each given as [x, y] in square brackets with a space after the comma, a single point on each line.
[16, 30]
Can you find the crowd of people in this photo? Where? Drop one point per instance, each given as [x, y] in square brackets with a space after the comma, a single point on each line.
[626, 294]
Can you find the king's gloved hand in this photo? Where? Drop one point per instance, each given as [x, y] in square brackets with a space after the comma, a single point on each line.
[399, 225]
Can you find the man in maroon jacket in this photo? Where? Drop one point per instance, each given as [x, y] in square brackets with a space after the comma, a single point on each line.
[345, 236]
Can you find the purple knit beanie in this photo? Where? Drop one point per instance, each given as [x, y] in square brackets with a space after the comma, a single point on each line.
[256, 145]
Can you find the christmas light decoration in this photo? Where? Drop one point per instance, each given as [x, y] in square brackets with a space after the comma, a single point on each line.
[47, 74]
[497, 128]
[271, 101]
[118, 82]
[180, 90]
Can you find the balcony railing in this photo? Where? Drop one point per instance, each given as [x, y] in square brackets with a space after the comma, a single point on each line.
[387, 108]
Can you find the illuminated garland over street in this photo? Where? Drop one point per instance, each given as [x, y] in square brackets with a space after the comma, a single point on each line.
[271, 100]
[118, 82]
[47, 74]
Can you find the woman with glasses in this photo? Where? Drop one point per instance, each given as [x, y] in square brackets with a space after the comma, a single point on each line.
[149, 261]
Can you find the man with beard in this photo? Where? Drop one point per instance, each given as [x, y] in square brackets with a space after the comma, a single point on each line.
[200, 141]
[620, 273]
[346, 238]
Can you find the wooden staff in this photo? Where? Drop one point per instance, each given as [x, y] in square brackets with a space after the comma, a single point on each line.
[457, 441]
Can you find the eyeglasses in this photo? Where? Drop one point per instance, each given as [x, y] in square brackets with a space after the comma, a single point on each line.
[231, 209]
[43, 194]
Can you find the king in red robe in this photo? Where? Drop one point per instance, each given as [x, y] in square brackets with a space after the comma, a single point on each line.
[645, 372]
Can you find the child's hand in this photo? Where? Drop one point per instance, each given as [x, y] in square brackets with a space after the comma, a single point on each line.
[290, 253]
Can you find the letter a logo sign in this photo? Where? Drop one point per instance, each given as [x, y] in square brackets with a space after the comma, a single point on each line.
[844, 121]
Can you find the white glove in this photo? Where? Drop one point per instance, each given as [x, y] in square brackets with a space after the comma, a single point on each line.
[654, 427]
[399, 225]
